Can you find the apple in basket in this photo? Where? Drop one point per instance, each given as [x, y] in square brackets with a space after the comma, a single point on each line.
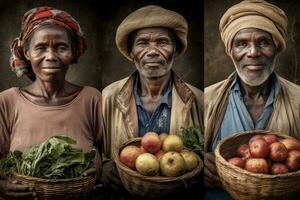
[172, 164]
[151, 142]
[190, 159]
[129, 155]
[239, 162]
[279, 168]
[147, 164]
[257, 165]
[243, 151]
[293, 160]
[172, 143]
[291, 144]
[278, 152]
[270, 138]
[259, 148]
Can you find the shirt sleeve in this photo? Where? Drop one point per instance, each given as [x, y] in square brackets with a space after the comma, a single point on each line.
[4, 126]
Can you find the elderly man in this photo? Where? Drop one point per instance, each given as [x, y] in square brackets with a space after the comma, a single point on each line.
[153, 98]
[253, 97]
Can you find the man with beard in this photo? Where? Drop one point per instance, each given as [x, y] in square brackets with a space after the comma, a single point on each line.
[153, 98]
[253, 97]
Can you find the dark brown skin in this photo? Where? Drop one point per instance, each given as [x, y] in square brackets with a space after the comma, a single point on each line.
[153, 52]
[253, 54]
[50, 55]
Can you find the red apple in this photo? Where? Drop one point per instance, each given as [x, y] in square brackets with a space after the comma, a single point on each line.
[255, 137]
[142, 149]
[259, 148]
[243, 151]
[151, 142]
[278, 152]
[270, 138]
[237, 162]
[159, 154]
[291, 144]
[293, 160]
[279, 168]
[129, 154]
[257, 165]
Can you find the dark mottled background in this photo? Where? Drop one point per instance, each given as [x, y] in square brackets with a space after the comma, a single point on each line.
[218, 65]
[102, 63]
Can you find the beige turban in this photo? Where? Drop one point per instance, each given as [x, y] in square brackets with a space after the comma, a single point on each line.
[254, 14]
[149, 17]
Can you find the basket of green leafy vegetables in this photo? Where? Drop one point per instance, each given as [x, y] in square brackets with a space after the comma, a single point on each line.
[54, 169]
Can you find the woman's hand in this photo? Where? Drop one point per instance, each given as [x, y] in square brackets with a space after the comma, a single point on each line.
[211, 177]
[15, 190]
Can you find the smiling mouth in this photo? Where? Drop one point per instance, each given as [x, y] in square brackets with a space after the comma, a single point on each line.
[255, 67]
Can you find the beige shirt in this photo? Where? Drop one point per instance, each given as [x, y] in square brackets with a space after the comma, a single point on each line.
[24, 124]
[120, 113]
[285, 117]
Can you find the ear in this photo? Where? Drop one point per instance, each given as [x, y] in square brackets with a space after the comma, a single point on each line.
[26, 54]
[131, 55]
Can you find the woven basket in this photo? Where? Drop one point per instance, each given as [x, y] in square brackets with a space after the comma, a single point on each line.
[153, 186]
[244, 185]
[59, 189]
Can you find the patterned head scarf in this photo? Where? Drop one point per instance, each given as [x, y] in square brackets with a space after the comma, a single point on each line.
[31, 21]
[254, 14]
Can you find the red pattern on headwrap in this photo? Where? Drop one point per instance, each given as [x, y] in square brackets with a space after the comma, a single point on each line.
[31, 21]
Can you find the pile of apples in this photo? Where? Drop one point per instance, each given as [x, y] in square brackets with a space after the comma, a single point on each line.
[268, 154]
[162, 154]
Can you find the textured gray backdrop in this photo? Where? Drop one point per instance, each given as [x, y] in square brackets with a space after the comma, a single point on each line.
[218, 65]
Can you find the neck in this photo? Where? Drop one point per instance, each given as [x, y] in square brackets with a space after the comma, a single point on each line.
[49, 90]
[155, 87]
[254, 92]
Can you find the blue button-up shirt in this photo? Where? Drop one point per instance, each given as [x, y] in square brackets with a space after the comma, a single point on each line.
[159, 121]
[237, 119]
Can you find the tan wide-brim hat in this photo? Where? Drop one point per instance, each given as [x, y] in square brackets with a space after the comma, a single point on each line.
[149, 17]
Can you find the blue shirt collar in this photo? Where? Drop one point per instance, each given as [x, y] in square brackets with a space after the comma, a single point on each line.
[167, 98]
[275, 88]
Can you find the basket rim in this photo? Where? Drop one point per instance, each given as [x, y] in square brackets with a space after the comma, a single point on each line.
[223, 161]
[45, 180]
[131, 172]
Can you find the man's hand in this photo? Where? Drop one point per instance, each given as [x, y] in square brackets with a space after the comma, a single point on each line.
[211, 177]
[15, 190]
[110, 176]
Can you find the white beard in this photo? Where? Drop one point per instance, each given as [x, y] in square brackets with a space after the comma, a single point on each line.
[254, 80]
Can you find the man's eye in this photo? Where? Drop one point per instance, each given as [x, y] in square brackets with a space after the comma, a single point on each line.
[264, 43]
[241, 44]
[62, 48]
[39, 48]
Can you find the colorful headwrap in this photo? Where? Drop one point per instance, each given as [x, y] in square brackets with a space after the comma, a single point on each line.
[149, 17]
[254, 14]
[31, 21]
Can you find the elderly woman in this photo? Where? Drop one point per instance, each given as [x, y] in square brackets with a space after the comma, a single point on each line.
[49, 42]
[253, 97]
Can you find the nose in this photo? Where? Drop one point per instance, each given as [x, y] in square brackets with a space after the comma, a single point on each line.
[51, 55]
[253, 51]
[152, 51]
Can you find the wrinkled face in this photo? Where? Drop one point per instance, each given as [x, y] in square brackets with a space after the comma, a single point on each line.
[253, 54]
[153, 51]
[50, 53]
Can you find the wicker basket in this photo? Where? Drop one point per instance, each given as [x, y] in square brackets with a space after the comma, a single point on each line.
[58, 189]
[153, 186]
[244, 185]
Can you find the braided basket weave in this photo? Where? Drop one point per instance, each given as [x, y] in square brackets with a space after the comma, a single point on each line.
[244, 185]
[59, 189]
[153, 186]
